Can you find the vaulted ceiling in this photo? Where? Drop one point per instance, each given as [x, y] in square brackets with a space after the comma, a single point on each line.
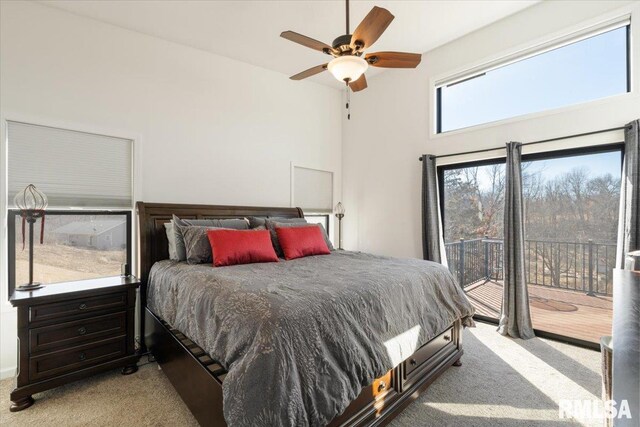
[249, 31]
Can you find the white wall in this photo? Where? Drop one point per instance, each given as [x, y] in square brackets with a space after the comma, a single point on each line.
[207, 129]
[391, 123]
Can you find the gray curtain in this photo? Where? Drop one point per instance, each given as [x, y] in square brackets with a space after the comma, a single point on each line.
[515, 319]
[629, 219]
[432, 242]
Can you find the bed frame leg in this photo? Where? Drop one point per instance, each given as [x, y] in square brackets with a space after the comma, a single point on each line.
[129, 369]
[458, 362]
[20, 404]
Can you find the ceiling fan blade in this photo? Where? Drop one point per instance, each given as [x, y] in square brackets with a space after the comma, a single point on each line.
[371, 28]
[306, 41]
[359, 84]
[394, 59]
[310, 72]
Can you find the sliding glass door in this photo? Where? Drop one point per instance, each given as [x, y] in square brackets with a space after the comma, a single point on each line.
[571, 219]
[571, 216]
[473, 201]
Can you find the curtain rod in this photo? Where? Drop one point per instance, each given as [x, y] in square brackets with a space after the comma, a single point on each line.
[577, 135]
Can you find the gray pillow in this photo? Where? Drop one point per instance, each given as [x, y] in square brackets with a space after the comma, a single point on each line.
[180, 224]
[171, 238]
[197, 245]
[271, 226]
[255, 222]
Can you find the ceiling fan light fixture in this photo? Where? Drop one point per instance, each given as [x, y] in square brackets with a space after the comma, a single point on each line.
[347, 68]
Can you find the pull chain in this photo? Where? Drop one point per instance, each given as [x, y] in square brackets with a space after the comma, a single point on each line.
[348, 102]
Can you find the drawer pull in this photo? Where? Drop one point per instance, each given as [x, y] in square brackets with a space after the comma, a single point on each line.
[83, 306]
[447, 338]
[82, 330]
[413, 362]
[381, 386]
[82, 356]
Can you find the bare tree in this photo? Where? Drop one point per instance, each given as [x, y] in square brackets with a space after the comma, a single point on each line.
[564, 212]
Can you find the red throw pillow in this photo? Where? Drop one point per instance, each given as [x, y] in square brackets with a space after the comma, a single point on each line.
[230, 247]
[298, 242]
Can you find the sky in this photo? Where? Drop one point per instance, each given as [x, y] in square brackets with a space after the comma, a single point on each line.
[589, 69]
[596, 164]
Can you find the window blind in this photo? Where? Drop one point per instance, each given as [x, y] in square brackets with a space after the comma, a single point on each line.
[313, 189]
[73, 169]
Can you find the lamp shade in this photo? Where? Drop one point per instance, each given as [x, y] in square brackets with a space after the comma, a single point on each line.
[339, 209]
[347, 68]
[30, 199]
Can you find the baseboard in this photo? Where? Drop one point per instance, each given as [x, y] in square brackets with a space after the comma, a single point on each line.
[7, 373]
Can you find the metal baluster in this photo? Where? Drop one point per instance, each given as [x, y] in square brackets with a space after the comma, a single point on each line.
[569, 268]
[536, 261]
[500, 260]
[486, 258]
[544, 270]
[575, 266]
[557, 261]
[590, 293]
[530, 261]
[597, 268]
[606, 269]
[461, 262]
[583, 269]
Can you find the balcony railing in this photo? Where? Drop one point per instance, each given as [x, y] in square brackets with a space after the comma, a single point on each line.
[580, 266]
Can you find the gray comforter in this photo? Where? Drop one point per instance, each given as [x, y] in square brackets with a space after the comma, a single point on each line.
[301, 338]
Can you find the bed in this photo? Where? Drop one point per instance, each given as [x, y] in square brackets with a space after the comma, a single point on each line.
[347, 339]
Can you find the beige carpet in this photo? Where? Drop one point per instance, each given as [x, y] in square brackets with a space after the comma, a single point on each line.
[502, 382]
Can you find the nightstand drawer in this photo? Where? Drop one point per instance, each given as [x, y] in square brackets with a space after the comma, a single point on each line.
[426, 351]
[77, 307]
[69, 333]
[60, 362]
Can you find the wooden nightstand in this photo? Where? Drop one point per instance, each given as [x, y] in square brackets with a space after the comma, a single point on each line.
[69, 331]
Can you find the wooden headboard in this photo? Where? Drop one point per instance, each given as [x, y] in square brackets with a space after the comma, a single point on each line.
[152, 237]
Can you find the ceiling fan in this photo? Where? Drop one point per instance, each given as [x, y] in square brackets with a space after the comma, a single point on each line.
[347, 64]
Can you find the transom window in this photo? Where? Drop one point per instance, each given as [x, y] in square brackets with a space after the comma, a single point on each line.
[583, 68]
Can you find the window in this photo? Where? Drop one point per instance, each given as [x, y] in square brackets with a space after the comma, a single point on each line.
[571, 215]
[323, 219]
[584, 68]
[87, 179]
[77, 245]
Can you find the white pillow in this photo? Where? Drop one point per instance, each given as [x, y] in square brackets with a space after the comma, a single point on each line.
[171, 238]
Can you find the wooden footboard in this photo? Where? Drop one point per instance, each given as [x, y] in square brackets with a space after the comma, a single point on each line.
[198, 379]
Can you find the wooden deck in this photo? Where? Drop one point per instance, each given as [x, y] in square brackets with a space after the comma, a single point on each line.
[558, 311]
